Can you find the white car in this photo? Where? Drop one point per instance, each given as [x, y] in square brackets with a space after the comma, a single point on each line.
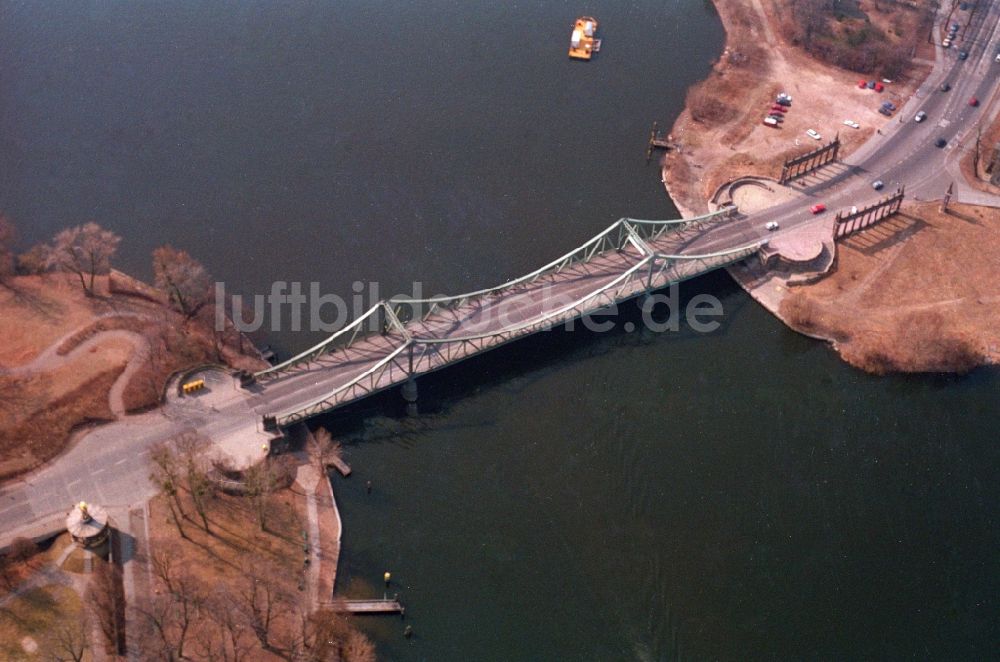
[852, 124]
[813, 134]
[920, 117]
[771, 225]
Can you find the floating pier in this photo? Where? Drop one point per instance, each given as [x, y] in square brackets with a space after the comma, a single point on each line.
[382, 606]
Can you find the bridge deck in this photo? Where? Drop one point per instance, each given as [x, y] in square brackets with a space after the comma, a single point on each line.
[448, 334]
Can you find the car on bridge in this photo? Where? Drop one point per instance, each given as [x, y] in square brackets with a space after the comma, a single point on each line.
[920, 117]
[818, 208]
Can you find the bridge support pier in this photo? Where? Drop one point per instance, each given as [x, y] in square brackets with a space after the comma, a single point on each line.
[410, 390]
[410, 396]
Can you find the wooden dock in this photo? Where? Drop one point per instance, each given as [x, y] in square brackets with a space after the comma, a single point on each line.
[377, 606]
[657, 141]
[340, 465]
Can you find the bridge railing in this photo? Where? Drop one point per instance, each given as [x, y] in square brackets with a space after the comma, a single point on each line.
[623, 232]
[614, 237]
[366, 382]
[351, 332]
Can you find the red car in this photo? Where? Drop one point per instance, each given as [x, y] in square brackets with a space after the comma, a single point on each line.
[973, 102]
[779, 109]
[879, 87]
[818, 208]
[862, 84]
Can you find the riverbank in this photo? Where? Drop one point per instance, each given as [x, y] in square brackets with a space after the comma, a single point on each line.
[862, 304]
[71, 360]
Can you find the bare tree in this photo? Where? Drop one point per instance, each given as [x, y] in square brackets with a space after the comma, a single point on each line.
[327, 635]
[191, 447]
[68, 640]
[8, 235]
[260, 602]
[85, 250]
[185, 280]
[166, 475]
[325, 448]
[227, 637]
[260, 481]
[36, 261]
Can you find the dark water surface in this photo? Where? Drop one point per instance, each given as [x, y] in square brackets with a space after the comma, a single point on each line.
[575, 496]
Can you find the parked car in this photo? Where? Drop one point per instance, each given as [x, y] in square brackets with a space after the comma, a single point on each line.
[888, 105]
[878, 184]
[771, 122]
[920, 117]
[963, 55]
[946, 43]
[852, 124]
[862, 84]
[954, 27]
[879, 87]
[998, 57]
[945, 86]
[779, 109]
[973, 102]
[813, 134]
[818, 208]
[940, 142]
[871, 85]
[777, 118]
[885, 111]
[771, 225]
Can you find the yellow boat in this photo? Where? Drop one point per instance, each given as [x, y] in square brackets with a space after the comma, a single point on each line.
[583, 44]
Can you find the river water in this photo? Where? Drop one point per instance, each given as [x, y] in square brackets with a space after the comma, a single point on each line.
[575, 496]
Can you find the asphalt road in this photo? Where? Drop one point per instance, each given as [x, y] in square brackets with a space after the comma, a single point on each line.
[905, 153]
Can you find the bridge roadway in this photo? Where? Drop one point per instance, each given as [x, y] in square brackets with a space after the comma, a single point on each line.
[109, 465]
[629, 258]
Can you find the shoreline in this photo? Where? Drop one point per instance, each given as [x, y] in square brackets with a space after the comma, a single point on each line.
[693, 176]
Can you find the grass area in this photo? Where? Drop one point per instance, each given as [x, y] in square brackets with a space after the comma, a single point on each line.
[35, 427]
[909, 295]
[235, 537]
[57, 391]
[39, 614]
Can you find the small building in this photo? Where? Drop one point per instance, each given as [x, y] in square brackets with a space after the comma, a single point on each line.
[88, 525]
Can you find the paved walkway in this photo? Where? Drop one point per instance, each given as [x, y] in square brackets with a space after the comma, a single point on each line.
[324, 529]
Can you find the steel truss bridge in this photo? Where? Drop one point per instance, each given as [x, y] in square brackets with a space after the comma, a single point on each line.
[399, 339]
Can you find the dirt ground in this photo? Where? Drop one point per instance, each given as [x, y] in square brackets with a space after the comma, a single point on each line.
[721, 134]
[64, 354]
[908, 294]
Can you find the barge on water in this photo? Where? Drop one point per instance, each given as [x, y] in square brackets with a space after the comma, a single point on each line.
[582, 43]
